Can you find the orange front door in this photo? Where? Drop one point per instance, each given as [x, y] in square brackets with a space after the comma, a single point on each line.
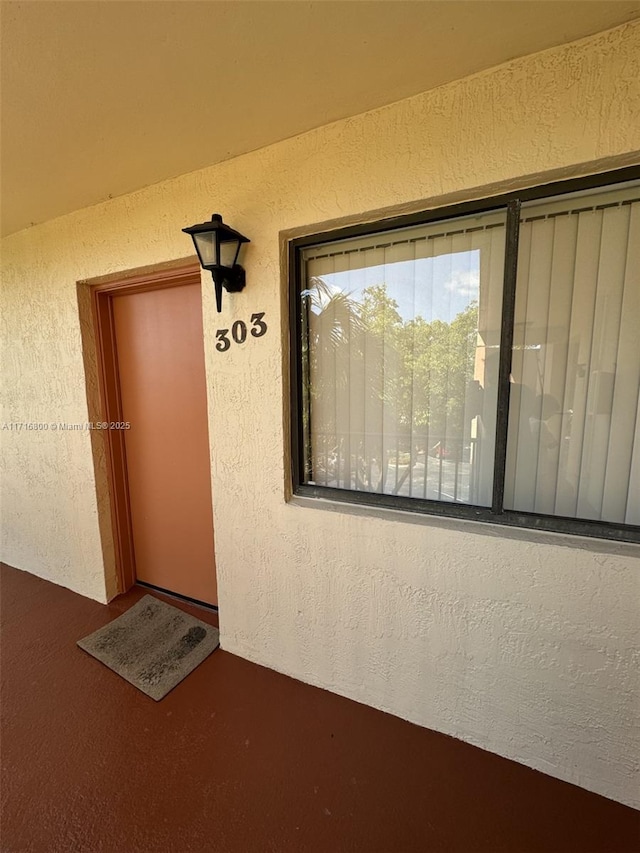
[160, 355]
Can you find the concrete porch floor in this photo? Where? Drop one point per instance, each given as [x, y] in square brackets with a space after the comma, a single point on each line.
[240, 758]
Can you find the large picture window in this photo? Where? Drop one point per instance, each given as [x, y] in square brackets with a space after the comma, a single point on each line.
[483, 362]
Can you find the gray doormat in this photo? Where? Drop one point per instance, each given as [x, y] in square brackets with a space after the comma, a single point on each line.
[153, 645]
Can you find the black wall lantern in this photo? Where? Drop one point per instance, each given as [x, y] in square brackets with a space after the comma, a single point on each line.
[218, 247]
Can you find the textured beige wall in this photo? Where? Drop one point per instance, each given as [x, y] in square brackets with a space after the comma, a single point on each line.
[520, 643]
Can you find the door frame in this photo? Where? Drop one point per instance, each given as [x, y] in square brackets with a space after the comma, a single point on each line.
[111, 403]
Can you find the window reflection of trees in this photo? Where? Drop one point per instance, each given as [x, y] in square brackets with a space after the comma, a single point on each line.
[389, 401]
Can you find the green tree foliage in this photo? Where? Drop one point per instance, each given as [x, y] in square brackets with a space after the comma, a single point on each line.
[439, 365]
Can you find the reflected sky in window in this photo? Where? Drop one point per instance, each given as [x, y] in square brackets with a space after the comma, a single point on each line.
[437, 288]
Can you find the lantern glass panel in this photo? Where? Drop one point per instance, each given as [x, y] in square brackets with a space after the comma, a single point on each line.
[229, 252]
[206, 247]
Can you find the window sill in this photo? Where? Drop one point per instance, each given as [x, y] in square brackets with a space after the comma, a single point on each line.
[495, 528]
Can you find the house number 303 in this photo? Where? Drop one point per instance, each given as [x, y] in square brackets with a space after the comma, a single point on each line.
[239, 332]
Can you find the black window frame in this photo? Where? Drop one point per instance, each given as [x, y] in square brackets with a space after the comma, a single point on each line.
[496, 514]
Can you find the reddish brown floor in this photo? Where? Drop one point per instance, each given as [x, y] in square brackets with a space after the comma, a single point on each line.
[239, 758]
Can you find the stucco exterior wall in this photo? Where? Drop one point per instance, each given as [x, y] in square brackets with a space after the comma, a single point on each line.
[520, 643]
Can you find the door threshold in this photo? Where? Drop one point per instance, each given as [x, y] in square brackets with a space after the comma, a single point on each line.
[193, 601]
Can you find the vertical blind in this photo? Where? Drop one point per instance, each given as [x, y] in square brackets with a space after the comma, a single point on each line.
[400, 354]
[574, 426]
